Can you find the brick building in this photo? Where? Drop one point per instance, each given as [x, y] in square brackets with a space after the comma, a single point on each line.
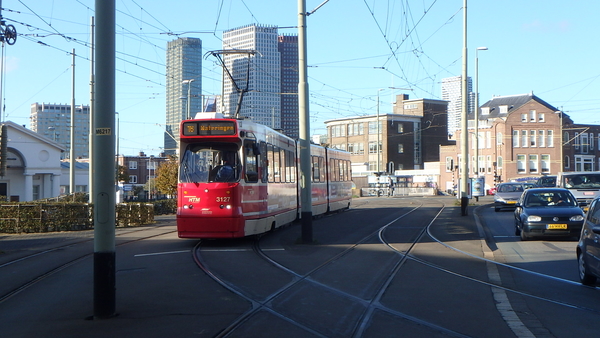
[522, 137]
[405, 139]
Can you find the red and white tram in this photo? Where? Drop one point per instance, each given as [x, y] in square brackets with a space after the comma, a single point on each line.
[239, 178]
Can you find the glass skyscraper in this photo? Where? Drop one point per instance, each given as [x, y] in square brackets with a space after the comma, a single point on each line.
[452, 92]
[184, 77]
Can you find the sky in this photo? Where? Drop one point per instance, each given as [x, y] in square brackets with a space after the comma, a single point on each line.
[357, 50]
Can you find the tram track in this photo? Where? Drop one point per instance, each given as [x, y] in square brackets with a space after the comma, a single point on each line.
[373, 305]
[72, 246]
[369, 305]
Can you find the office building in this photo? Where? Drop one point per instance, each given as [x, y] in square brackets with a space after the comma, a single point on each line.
[54, 122]
[288, 49]
[452, 92]
[184, 86]
[252, 58]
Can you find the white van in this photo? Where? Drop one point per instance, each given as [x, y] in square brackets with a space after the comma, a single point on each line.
[585, 185]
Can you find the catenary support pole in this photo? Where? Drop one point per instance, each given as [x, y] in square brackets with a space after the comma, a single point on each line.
[72, 133]
[464, 132]
[91, 113]
[104, 162]
[305, 162]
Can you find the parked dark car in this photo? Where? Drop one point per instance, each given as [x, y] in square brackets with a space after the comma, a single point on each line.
[546, 212]
[547, 181]
[588, 248]
[507, 194]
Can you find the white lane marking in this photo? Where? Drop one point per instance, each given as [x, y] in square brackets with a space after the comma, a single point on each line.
[162, 253]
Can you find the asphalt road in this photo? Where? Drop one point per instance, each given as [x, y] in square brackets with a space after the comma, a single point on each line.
[389, 267]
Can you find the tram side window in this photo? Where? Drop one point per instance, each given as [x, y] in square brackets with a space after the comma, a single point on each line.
[264, 163]
[276, 165]
[283, 161]
[250, 162]
[318, 164]
[270, 162]
[323, 172]
[291, 166]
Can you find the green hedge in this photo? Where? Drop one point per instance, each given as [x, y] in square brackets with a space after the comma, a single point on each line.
[30, 217]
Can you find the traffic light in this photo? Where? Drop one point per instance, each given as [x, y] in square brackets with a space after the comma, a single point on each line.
[3, 149]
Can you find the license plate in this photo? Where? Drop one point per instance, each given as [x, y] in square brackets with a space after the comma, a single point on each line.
[556, 226]
[511, 202]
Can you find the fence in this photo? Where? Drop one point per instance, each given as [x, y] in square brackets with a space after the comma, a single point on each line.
[398, 191]
[49, 217]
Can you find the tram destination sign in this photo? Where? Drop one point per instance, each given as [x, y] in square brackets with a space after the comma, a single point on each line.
[206, 128]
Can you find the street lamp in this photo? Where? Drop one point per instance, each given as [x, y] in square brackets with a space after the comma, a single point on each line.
[477, 109]
[189, 96]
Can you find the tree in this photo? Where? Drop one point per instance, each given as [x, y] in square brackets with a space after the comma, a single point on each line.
[166, 176]
[122, 175]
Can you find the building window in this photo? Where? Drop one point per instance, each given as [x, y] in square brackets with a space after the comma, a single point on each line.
[481, 164]
[532, 139]
[133, 164]
[541, 117]
[503, 109]
[449, 164]
[515, 138]
[524, 138]
[584, 143]
[400, 128]
[532, 116]
[533, 163]
[591, 141]
[485, 110]
[584, 163]
[133, 179]
[499, 138]
[400, 148]
[545, 163]
[541, 138]
[577, 141]
[567, 162]
[372, 147]
[524, 118]
[550, 138]
[521, 164]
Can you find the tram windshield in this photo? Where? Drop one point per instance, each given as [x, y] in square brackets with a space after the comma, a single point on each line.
[203, 163]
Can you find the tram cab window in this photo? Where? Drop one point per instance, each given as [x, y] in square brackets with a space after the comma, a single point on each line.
[251, 153]
[208, 163]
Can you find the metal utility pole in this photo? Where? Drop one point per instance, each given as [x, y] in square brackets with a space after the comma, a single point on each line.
[304, 139]
[91, 114]
[103, 170]
[72, 149]
[476, 117]
[464, 142]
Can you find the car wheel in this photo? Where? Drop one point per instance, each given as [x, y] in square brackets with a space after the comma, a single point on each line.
[584, 276]
[524, 236]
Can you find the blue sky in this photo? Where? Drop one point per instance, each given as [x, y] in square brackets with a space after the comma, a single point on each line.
[355, 48]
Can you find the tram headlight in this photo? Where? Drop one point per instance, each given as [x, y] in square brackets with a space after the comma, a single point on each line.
[228, 207]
